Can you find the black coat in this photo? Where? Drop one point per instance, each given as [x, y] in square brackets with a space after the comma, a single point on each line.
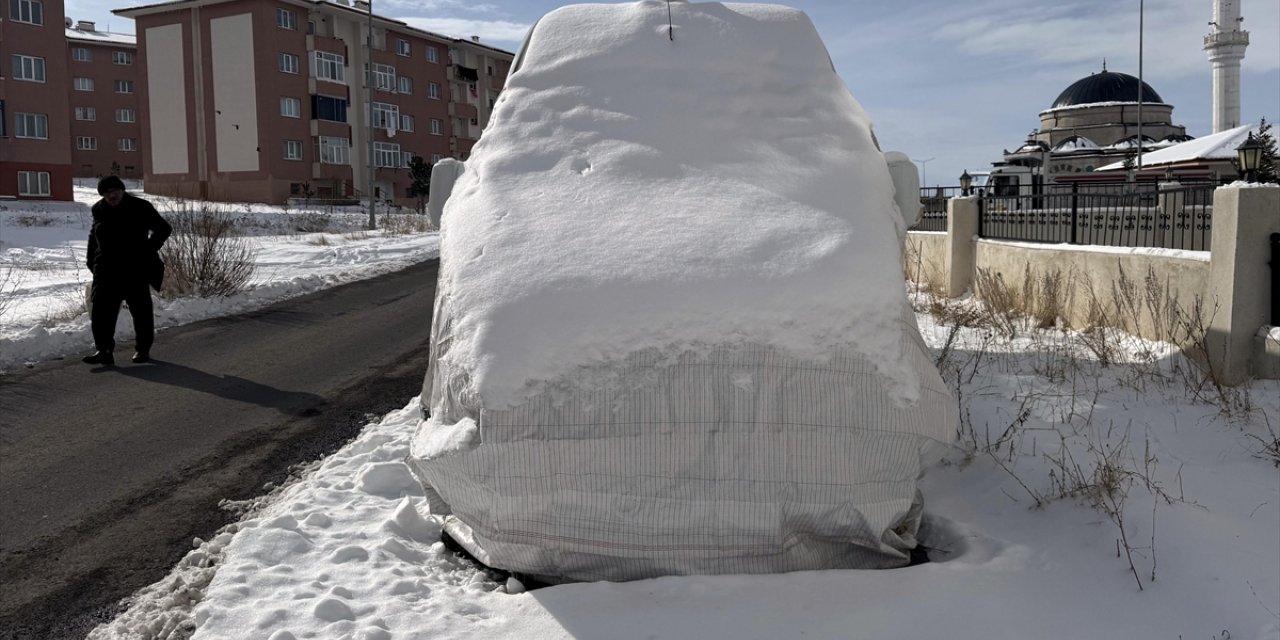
[125, 241]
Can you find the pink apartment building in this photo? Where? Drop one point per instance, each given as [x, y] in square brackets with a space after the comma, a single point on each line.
[106, 130]
[35, 137]
[263, 100]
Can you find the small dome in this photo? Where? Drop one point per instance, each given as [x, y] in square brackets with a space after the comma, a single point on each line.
[1132, 143]
[1032, 146]
[1107, 86]
[1177, 138]
[1075, 143]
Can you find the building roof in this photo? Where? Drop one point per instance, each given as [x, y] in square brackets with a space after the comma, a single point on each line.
[1105, 87]
[341, 5]
[1219, 146]
[102, 37]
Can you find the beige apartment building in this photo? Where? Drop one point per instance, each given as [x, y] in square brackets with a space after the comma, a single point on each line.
[106, 130]
[264, 100]
[35, 137]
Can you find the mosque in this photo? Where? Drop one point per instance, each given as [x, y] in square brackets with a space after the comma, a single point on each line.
[1094, 128]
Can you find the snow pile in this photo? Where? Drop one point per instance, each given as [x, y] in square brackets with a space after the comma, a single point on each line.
[635, 192]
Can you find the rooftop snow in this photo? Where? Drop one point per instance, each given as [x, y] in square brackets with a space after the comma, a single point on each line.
[1218, 146]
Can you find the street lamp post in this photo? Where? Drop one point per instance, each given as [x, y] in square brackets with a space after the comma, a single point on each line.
[966, 182]
[924, 171]
[1249, 156]
[368, 92]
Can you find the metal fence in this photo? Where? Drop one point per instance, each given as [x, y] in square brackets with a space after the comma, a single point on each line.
[1108, 215]
[933, 216]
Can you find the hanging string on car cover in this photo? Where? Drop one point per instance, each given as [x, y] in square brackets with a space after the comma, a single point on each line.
[670, 30]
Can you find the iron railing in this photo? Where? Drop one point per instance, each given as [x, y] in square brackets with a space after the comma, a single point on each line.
[1179, 218]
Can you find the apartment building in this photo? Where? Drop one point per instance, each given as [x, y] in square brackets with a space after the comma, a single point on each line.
[106, 130]
[263, 100]
[35, 137]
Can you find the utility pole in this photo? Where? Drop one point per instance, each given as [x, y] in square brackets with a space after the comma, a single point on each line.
[368, 92]
[1141, 25]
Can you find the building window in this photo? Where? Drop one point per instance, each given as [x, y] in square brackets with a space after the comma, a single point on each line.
[286, 19]
[292, 150]
[124, 86]
[28, 11]
[435, 157]
[406, 123]
[385, 116]
[404, 84]
[33, 183]
[402, 47]
[28, 68]
[330, 66]
[435, 127]
[384, 77]
[81, 54]
[121, 57]
[406, 159]
[290, 107]
[86, 113]
[433, 90]
[328, 108]
[127, 144]
[386, 154]
[87, 143]
[126, 115]
[334, 150]
[288, 63]
[31, 125]
[82, 84]
[433, 54]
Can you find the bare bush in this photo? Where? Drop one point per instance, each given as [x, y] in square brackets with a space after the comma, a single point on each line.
[10, 280]
[312, 222]
[399, 224]
[204, 257]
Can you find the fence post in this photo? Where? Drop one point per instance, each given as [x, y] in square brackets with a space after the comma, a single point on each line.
[1238, 299]
[1075, 212]
[1275, 279]
[1172, 200]
[963, 222]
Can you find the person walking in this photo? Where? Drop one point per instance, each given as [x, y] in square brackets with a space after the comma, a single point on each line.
[124, 258]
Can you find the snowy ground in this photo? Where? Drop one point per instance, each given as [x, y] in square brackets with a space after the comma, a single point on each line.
[1181, 485]
[43, 274]
[1177, 471]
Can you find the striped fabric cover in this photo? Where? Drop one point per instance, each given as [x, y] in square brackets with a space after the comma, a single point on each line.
[739, 460]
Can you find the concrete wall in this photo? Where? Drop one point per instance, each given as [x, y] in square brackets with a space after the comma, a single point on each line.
[926, 259]
[1091, 279]
[1141, 290]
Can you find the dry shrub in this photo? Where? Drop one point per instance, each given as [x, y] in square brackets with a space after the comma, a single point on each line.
[401, 224]
[928, 276]
[204, 256]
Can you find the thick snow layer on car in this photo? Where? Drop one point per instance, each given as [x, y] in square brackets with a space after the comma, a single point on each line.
[644, 189]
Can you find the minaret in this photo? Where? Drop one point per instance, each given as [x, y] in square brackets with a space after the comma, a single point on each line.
[1225, 45]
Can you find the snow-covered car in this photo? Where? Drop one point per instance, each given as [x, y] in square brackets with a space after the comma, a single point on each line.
[671, 332]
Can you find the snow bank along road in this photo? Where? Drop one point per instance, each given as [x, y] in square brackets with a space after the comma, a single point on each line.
[106, 474]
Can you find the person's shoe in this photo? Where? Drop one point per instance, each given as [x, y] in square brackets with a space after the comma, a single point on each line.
[100, 357]
[141, 357]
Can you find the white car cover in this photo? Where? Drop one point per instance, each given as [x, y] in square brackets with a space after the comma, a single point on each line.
[671, 334]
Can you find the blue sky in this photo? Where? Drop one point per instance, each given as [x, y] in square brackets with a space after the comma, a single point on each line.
[957, 82]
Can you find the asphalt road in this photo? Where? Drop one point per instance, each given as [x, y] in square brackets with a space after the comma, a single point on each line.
[106, 474]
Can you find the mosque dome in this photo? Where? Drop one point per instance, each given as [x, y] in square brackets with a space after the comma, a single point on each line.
[1106, 86]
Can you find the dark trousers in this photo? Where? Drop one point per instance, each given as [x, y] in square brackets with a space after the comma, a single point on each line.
[106, 298]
